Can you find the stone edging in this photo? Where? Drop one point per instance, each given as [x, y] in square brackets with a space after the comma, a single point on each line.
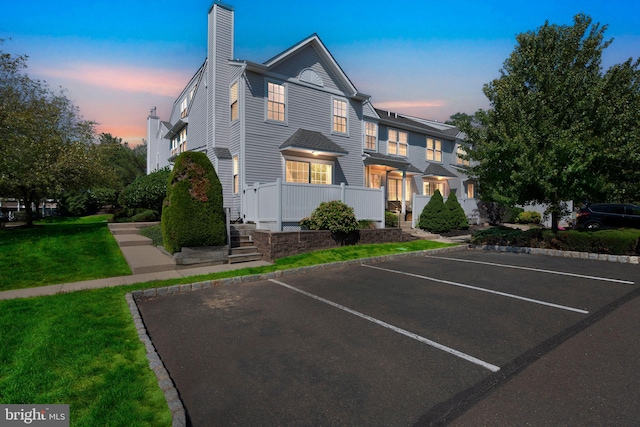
[164, 380]
[624, 259]
[155, 363]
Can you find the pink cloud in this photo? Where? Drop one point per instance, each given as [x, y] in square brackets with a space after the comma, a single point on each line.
[122, 78]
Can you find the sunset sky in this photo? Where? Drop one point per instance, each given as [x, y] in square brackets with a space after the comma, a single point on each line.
[117, 59]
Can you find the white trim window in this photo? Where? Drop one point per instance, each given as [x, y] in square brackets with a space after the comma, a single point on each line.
[305, 172]
[233, 102]
[460, 152]
[276, 102]
[183, 107]
[340, 116]
[471, 190]
[370, 136]
[397, 143]
[236, 176]
[430, 187]
[434, 150]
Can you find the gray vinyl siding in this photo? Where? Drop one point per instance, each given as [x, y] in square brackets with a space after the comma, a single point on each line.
[197, 130]
[306, 58]
[307, 108]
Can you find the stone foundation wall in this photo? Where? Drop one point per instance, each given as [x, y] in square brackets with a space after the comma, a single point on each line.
[274, 245]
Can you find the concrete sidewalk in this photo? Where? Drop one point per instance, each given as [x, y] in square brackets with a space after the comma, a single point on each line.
[147, 263]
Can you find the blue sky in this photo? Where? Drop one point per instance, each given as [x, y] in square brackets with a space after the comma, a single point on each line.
[117, 59]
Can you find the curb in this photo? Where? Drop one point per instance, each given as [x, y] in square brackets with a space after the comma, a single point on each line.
[155, 363]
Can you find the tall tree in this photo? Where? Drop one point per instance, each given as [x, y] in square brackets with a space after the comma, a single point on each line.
[46, 147]
[549, 134]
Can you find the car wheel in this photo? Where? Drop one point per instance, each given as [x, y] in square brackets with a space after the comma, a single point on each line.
[593, 226]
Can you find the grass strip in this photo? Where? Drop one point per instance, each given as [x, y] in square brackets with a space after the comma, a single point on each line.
[59, 251]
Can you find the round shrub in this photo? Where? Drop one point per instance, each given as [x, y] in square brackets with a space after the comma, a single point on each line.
[433, 217]
[192, 214]
[529, 217]
[455, 214]
[146, 216]
[334, 216]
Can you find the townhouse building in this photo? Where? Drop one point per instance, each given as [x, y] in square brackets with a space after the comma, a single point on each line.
[288, 133]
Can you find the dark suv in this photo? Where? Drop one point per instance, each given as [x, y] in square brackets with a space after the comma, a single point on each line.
[608, 215]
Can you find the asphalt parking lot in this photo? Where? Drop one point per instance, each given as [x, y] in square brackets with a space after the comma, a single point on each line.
[467, 338]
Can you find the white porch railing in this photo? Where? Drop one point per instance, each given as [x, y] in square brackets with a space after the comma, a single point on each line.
[470, 207]
[271, 205]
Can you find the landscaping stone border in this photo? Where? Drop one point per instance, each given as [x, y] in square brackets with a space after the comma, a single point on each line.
[623, 259]
[156, 364]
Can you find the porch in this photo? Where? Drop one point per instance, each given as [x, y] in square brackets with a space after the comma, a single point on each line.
[279, 206]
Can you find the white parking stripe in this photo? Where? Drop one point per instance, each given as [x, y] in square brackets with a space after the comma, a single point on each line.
[604, 279]
[475, 288]
[404, 332]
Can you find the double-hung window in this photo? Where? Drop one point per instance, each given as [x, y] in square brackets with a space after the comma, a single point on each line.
[308, 172]
[339, 116]
[434, 150]
[460, 153]
[397, 143]
[370, 136]
[233, 101]
[276, 99]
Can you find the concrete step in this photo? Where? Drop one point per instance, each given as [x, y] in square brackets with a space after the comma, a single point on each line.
[241, 241]
[234, 259]
[147, 259]
[241, 250]
[127, 227]
[132, 240]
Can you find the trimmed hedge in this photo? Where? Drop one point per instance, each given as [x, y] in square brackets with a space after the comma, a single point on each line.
[193, 214]
[146, 191]
[335, 216]
[613, 242]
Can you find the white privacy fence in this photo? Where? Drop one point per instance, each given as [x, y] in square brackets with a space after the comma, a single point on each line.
[271, 205]
[470, 207]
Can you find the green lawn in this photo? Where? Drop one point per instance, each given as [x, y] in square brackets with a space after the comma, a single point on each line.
[82, 349]
[59, 251]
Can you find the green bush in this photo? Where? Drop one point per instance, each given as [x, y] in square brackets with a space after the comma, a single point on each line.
[146, 191]
[77, 204]
[193, 214]
[614, 242]
[512, 214]
[334, 216]
[456, 217]
[434, 216]
[147, 215]
[390, 219]
[528, 217]
[364, 224]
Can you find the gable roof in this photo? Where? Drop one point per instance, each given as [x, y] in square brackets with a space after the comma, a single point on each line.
[308, 140]
[434, 169]
[315, 42]
[418, 124]
[371, 158]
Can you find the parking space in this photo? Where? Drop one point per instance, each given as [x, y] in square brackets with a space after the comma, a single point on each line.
[380, 344]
